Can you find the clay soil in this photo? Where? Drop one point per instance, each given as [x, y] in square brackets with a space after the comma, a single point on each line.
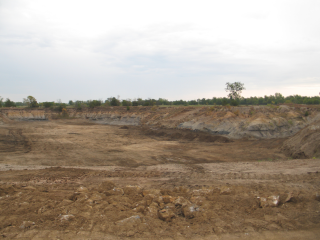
[73, 179]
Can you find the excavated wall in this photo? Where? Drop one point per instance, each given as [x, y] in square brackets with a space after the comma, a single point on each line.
[233, 122]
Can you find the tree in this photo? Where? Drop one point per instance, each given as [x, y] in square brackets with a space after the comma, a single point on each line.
[115, 102]
[9, 103]
[31, 102]
[235, 90]
[1, 101]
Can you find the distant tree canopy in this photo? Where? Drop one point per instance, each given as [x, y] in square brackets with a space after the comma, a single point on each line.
[9, 103]
[234, 99]
[31, 102]
[114, 102]
[235, 90]
[93, 103]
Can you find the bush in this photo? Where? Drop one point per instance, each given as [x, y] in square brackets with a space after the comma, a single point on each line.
[60, 106]
[93, 103]
[79, 105]
[114, 102]
[126, 103]
[234, 102]
[48, 104]
[9, 103]
[306, 114]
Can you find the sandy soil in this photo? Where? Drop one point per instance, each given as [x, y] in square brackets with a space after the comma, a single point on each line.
[72, 179]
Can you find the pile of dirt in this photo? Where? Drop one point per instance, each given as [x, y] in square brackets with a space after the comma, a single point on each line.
[155, 213]
[304, 144]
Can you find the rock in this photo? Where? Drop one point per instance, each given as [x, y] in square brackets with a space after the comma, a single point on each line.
[189, 210]
[149, 199]
[96, 198]
[26, 224]
[114, 191]
[168, 199]
[290, 197]
[198, 200]
[152, 210]
[225, 190]
[181, 189]
[170, 206]
[271, 201]
[201, 192]
[181, 201]
[66, 217]
[132, 190]
[106, 186]
[140, 203]
[317, 196]
[166, 215]
[130, 220]
[158, 200]
[139, 209]
[151, 191]
[82, 189]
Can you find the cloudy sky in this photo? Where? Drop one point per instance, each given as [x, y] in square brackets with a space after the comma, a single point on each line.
[80, 50]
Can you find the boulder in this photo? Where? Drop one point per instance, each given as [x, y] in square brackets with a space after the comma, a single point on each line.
[271, 201]
[166, 215]
[189, 210]
[106, 186]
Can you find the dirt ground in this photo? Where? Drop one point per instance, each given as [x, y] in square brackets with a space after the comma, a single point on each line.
[73, 179]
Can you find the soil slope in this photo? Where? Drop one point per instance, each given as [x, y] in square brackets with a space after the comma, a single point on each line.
[232, 122]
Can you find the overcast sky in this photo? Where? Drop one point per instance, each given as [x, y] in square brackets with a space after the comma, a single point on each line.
[80, 50]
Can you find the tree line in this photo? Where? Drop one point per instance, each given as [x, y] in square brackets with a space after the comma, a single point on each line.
[277, 98]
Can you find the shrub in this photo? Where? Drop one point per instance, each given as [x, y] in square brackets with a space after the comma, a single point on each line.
[9, 103]
[114, 102]
[48, 104]
[234, 102]
[306, 114]
[94, 103]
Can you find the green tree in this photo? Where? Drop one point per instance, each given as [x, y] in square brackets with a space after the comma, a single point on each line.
[1, 99]
[48, 104]
[9, 103]
[31, 102]
[235, 90]
[114, 102]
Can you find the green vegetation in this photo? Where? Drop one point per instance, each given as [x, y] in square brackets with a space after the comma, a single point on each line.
[234, 99]
[9, 103]
[235, 90]
[31, 102]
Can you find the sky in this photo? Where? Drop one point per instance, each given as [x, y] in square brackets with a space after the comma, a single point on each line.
[81, 50]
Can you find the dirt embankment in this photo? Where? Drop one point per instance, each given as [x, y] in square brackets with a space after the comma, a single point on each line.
[232, 122]
[304, 144]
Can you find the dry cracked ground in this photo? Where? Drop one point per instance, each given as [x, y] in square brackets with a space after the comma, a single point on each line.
[73, 179]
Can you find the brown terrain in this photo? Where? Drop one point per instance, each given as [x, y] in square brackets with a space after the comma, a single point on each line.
[160, 173]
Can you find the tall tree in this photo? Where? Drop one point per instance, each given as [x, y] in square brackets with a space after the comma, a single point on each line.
[235, 90]
[31, 102]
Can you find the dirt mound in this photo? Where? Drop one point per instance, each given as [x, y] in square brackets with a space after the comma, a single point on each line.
[304, 144]
[35, 202]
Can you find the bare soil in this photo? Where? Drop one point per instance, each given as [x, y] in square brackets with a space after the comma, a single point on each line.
[73, 179]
